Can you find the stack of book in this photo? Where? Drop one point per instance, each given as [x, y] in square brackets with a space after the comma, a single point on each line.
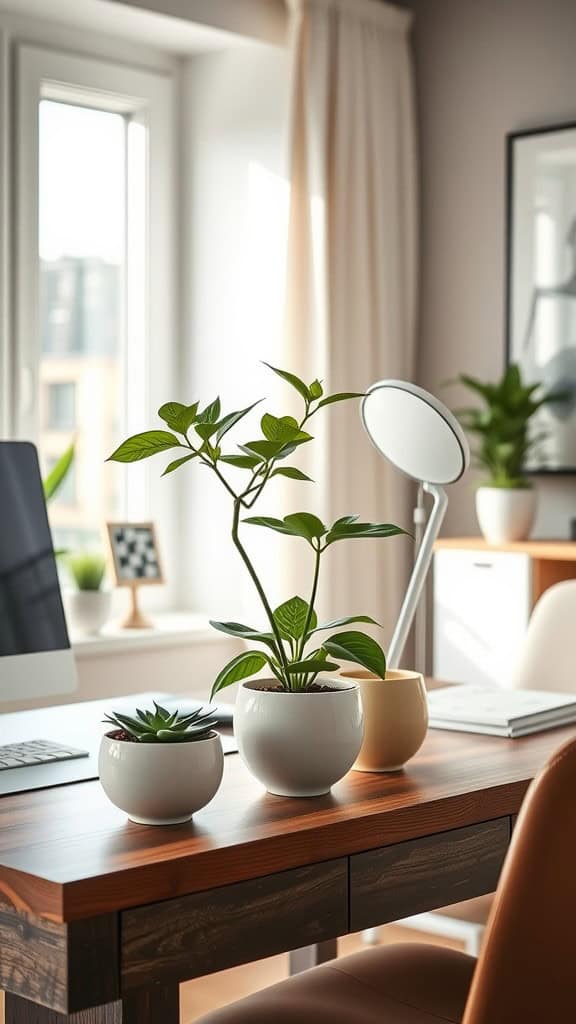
[510, 713]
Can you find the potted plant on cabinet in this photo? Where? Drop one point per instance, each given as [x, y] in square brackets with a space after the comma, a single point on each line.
[88, 605]
[506, 503]
[161, 767]
[299, 730]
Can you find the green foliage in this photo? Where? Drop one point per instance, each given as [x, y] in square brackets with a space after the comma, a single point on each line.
[501, 425]
[87, 569]
[59, 472]
[292, 626]
[162, 726]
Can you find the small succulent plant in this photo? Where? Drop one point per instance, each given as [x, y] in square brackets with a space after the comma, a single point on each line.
[162, 726]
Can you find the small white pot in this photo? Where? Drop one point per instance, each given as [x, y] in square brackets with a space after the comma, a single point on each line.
[505, 514]
[88, 610]
[160, 783]
[299, 744]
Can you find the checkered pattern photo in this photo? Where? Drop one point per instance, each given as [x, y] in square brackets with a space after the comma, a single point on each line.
[135, 553]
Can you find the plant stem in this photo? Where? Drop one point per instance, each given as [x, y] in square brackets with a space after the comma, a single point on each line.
[310, 611]
[254, 577]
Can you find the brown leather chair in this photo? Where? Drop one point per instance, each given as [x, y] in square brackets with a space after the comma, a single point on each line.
[526, 973]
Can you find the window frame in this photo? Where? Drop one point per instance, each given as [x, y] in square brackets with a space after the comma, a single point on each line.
[147, 96]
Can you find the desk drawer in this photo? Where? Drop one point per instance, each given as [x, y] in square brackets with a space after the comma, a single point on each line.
[424, 874]
[210, 931]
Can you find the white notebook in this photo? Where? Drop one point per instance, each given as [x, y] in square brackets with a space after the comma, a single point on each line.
[496, 712]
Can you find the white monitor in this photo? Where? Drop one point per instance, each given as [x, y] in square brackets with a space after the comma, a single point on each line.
[35, 655]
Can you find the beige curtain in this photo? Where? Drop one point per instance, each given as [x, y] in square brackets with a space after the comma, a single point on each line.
[351, 293]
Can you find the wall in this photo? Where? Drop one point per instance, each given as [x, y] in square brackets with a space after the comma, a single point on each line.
[257, 19]
[482, 69]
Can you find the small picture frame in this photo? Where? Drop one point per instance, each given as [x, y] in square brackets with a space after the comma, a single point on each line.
[135, 562]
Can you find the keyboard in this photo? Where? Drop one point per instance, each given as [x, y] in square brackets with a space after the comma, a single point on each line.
[34, 752]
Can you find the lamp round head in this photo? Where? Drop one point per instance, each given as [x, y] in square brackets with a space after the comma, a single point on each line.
[415, 432]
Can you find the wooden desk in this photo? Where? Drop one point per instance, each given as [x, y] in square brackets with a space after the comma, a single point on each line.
[98, 912]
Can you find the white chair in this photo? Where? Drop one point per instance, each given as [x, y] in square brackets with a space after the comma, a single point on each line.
[547, 661]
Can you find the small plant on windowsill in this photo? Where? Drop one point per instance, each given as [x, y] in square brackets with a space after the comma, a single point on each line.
[297, 754]
[161, 766]
[88, 603]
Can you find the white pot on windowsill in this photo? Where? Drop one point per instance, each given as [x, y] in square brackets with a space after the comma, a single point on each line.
[87, 611]
[299, 743]
[505, 514]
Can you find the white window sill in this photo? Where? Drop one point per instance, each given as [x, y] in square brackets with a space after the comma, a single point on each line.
[170, 629]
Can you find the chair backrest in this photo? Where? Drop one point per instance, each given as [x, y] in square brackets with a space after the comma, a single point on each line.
[526, 973]
[548, 657]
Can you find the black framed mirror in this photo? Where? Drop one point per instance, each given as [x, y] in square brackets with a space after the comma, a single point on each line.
[541, 282]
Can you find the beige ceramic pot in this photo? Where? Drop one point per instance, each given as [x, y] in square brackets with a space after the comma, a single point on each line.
[395, 719]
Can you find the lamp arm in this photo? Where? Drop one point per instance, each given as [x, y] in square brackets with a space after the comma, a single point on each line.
[419, 573]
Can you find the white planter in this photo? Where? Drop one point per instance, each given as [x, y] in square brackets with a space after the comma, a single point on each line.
[299, 744]
[87, 611]
[505, 514]
[160, 783]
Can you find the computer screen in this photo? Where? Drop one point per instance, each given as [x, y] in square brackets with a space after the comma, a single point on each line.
[35, 655]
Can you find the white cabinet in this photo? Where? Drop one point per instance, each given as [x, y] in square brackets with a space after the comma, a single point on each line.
[482, 603]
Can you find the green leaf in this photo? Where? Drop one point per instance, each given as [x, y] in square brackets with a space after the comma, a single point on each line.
[179, 462]
[359, 648]
[243, 665]
[177, 416]
[291, 472]
[211, 413]
[205, 430]
[58, 473]
[301, 524]
[241, 461]
[344, 520]
[283, 429]
[263, 449]
[291, 616]
[304, 524]
[229, 421]
[348, 531]
[343, 396]
[142, 446]
[316, 390]
[270, 523]
[244, 632]
[278, 429]
[292, 379]
[312, 665]
[346, 621]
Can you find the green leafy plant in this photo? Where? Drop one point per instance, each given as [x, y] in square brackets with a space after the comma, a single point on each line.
[162, 726]
[292, 627]
[57, 475]
[87, 569]
[501, 425]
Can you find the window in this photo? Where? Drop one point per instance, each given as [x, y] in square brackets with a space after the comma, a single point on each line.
[95, 279]
[61, 405]
[83, 252]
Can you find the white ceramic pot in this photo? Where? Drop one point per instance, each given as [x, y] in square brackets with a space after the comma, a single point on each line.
[160, 783]
[299, 744]
[88, 611]
[395, 718]
[505, 514]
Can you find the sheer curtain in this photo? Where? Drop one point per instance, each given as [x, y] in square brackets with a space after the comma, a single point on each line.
[352, 277]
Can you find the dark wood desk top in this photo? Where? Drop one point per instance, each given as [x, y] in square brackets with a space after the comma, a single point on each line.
[67, 853]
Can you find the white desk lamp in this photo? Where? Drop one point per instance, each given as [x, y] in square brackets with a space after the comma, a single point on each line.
[424, 440]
